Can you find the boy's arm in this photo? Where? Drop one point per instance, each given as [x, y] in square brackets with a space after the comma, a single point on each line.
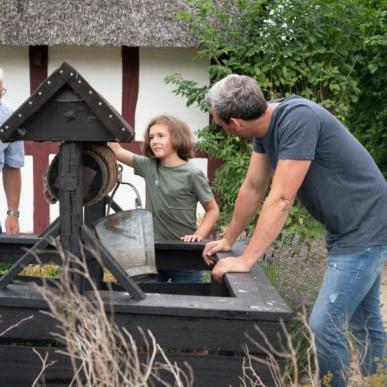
[210, 218]
[122, 155]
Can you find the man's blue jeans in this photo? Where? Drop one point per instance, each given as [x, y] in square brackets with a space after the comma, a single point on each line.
[350, 296]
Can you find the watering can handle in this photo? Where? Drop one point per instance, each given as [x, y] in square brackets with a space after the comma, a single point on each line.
[137, 201]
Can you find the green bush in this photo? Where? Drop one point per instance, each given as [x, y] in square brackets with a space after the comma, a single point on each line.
[323, 50]
[368, 117]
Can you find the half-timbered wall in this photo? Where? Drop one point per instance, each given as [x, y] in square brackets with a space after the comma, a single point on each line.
[130, 78]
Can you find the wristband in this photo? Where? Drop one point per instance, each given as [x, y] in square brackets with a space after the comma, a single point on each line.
[14, 213]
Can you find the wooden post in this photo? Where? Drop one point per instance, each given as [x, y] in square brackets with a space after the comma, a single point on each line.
[69, 183]
[92, 214]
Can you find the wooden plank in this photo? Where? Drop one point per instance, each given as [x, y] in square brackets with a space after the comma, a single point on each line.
[38, 59]
[92, 214]
[199, 306]
[9, 254]
[69, 183]
[130, 82]
[195, 333]
[170, 331]
[20, 366]
[41, 208]
[179, 259]
[180, 245]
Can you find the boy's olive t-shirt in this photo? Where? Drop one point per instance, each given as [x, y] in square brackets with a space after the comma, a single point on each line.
[343, 189]
[172, 194]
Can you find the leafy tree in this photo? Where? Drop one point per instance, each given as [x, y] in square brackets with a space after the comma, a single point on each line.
[368, 118]
[323, 50]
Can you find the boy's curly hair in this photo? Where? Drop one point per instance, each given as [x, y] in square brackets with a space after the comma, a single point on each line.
[181, 136]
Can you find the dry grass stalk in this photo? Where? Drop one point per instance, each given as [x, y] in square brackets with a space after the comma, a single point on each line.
[283, 364]
[16, 325]
[102, 353]
[44, 360]
[45, 365]
[284, 369]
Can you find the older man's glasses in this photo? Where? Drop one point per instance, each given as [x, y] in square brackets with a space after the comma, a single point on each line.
[2, 92]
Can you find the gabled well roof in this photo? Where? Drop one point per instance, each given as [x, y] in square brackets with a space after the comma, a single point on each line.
[66, 108]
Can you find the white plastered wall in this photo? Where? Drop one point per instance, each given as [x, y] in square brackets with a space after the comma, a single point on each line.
[15, 63]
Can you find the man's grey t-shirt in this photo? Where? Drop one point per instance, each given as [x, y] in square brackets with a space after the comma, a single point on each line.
[343, 189]
[172, 195]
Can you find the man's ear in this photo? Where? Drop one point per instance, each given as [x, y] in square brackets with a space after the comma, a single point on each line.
[235, 122]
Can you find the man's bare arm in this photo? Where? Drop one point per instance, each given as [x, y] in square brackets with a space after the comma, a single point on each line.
[250, 195]
[249, 198]
[287, 180]
[12, 189]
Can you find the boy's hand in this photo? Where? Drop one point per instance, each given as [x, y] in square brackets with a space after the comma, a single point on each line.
[191, 238]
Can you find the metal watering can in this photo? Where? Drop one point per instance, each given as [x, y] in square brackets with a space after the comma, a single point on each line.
[128, 237]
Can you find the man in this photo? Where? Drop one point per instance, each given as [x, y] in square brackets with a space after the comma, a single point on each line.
[11, 160]
[313, 156]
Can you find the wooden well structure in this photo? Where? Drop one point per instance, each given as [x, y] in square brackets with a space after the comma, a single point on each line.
[182, 316]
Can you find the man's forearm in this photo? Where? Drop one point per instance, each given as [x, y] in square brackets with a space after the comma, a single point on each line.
[12, 186]
[272, 219]
[246, 207]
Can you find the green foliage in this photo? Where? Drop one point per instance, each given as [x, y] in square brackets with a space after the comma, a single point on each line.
[369, 115]
[300, 222]
[324, 50]
[235, 153]
[4, 267]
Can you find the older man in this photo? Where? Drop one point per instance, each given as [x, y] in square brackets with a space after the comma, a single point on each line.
[314, 157]
[11, 160]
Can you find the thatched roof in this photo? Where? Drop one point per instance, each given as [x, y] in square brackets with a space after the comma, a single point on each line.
[142, 23]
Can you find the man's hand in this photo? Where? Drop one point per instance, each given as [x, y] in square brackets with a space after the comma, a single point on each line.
[12, 225]
[213, 247]
[229, 264]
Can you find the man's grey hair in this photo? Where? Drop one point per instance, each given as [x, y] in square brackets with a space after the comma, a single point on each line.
[236, 96]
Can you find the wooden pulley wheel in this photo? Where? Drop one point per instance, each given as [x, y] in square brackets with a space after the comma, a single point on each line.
[99, 174]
